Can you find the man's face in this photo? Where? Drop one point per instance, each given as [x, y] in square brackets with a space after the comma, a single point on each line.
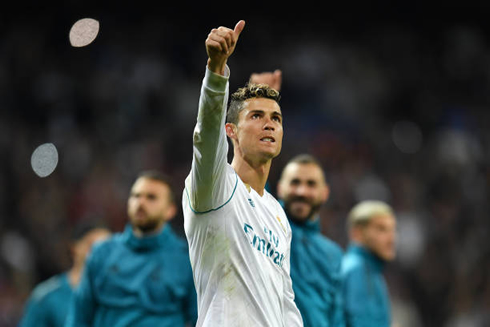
[149, 205]
[379, 235]
[259, 132]
[303, 189]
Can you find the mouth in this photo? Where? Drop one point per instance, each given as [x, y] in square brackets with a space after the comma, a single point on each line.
[140, 214]
[268, 139]
[299, 199]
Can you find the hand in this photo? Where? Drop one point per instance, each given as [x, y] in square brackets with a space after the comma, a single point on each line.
[274, 79]
[220, 44]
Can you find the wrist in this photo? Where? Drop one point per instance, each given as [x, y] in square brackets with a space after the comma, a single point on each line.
[217, 67]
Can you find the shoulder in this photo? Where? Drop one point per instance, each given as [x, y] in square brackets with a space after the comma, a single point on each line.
[100, 250]
[352, 264]
[177, 241]
[334, 250]
[107, 244]
[272, 201]
[44, 290]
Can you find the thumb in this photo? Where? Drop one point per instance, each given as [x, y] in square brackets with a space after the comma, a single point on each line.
[239, 28]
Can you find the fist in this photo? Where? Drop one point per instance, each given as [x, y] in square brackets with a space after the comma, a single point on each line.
[220, 44]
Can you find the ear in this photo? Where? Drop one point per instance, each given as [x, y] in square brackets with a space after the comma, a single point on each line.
[171, 212]
[231, 130]
[72, 249]
[326, 192]
[355, 234]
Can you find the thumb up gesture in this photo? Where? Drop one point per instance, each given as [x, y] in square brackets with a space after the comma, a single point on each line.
[220, 44]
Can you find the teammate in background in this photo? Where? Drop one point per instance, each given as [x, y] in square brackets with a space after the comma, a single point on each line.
[142, 276]
[49, 301]
[372, 232]
[315, 259]
[238, 233]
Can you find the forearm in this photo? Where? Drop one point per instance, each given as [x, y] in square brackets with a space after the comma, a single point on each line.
[210, 146]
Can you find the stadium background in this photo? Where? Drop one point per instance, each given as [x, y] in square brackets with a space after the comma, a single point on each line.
[393, 99]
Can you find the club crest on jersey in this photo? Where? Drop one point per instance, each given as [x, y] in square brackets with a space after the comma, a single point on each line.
[280, 222]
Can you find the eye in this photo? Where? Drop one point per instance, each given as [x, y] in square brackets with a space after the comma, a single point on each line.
[276, 118]
[255, 116]
[311, 183]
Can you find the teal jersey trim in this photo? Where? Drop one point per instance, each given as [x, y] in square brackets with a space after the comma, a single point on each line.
[215, 209]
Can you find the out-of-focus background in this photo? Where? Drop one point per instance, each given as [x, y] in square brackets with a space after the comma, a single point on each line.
[393, 99]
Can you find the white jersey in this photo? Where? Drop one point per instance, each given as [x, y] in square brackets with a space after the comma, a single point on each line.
[239, 241]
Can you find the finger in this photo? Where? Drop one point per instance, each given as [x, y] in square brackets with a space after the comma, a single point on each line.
[214, 45]
[216, 38]
[239, 28]
[227, 35]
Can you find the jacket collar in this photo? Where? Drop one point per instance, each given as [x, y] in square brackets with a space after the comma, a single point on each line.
[310, 225]
[146, 243]
[373, 260]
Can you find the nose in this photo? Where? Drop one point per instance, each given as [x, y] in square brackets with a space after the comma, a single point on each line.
[268, 126]
[139, 202]
[301, 190]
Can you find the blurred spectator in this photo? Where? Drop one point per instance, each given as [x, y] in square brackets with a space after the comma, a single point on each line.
[49, 302]
[372, 235]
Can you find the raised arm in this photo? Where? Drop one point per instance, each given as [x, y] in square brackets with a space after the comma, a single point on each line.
[273, 79]
[205, 188]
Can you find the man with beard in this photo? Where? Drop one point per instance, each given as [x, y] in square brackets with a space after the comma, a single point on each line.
[315, 259]
[142, 276]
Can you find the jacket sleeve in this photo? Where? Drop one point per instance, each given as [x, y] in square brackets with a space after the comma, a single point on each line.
[338, 315]
[82, 306]
[35, 315]
[356, 299]
[205, 187]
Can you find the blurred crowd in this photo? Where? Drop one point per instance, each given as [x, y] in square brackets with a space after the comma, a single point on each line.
[396, 110]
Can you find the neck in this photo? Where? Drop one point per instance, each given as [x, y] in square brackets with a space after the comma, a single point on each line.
[254, 174]
[74, 275]
[138, 232]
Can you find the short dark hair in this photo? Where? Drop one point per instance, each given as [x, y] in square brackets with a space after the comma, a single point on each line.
[84, 226]
[304, 159]
[249, 91]
[157, 175]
